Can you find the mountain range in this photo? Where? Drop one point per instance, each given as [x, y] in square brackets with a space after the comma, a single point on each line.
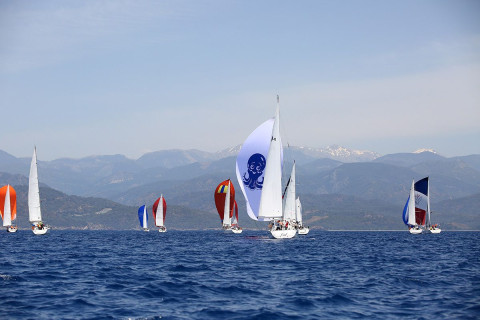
[339, 188]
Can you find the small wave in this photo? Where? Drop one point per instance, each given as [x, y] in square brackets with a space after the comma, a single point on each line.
[303, 303]
[144, 318]
[264, 314]
[149, 292]
[182, 268]
[6, 277]
[232, 289]
[336, 299]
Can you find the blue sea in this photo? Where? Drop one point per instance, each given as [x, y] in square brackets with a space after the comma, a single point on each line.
[217, 275]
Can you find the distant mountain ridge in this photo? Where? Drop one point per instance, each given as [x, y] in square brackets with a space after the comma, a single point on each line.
[362, 194]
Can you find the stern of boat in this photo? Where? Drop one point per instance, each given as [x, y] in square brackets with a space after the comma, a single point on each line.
[283, 234]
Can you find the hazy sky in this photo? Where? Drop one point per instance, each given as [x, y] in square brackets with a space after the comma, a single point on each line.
[80, 78]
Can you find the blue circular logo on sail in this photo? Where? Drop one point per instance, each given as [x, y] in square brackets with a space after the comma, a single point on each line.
[256, 165]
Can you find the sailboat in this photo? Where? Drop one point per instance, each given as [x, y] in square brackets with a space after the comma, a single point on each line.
[8, 207]
[300, 227]
[225, 203]
[34, 211]
[416, 213]
[259, 173]
[289, 207]
[410, 217]
[235, 227]
[159, 210]
[143, 217]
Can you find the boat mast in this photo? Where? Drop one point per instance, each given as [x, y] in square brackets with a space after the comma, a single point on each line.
[428, 202]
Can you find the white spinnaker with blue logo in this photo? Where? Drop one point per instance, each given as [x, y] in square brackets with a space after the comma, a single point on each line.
[251, 163]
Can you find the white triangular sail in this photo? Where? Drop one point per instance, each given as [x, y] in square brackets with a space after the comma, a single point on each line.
[7, 211]
[159, 215]
[145, 222]
[411, 206]
[34, 212]
[271, 199]
[290, 204]
[226, 210]
[299, 212]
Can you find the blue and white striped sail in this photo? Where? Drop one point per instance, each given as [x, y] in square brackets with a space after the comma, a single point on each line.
[251, 164]
[143, 216]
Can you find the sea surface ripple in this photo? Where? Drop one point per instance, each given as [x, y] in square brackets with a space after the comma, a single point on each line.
[217, 275]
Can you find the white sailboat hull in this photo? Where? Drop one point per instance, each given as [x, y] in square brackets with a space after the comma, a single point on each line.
[237, 230]
[436, 230]
[283, 234]
[303, 230]
[162, 229]
[415, 231]
[37, 231]
[12, 229]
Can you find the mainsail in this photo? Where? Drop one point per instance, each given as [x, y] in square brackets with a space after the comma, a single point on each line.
[289, 209]
[271, 200]
[422, 202]
[235, 215]
[34, 212]
[160, 207]
[299, 212]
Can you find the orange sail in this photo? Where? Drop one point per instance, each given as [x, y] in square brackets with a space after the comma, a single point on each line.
[13, 201]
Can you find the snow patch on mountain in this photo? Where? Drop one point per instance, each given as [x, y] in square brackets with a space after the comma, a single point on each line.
[340, 153]
[424, 150]
[334, 152]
